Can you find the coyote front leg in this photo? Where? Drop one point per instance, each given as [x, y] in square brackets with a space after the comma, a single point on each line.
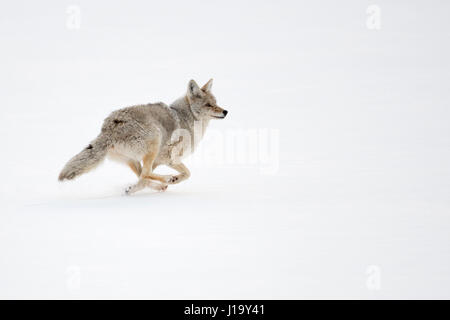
[183, 170]
[147, 168]
[169, 179]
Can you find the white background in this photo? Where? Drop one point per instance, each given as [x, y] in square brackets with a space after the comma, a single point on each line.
[359, 205]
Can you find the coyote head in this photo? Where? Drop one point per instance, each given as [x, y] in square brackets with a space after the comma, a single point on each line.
[203, 103]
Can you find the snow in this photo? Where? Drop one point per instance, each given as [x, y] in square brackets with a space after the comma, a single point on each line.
[340, 189]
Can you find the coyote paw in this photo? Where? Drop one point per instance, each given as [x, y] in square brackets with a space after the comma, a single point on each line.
[161, 187]
[173, 179]
[128, 190]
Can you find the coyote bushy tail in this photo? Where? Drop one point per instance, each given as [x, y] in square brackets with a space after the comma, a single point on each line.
[86, 160]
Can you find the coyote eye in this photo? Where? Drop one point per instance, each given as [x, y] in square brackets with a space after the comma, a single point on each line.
[208, 105]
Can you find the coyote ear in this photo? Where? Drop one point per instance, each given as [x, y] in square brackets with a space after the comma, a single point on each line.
[194, 90]
[207, 86]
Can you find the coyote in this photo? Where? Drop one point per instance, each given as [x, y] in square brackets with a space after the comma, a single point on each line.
[154, 134]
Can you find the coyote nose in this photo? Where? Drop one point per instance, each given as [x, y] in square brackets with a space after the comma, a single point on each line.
[225, 112]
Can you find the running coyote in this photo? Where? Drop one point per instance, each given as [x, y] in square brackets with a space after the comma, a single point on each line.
[146, 136]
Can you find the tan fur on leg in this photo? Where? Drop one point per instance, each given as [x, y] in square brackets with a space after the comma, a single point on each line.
[147, 168]
[143, 183]
[183, 170]
[136, 167]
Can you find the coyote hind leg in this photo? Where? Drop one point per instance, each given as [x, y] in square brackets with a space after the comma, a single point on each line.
[148, 162]
[145, 183]
[147, 178]
[134, 165]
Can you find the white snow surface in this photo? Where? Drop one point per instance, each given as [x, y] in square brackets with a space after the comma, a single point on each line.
[357, 205]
